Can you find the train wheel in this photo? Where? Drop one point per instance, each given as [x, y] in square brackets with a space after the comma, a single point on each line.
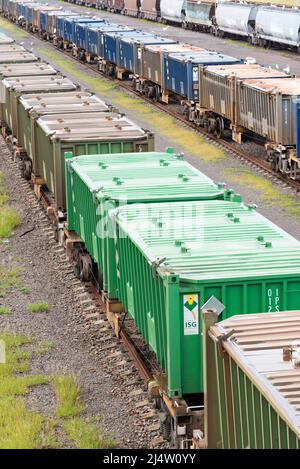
[219, 130]
[85, 267]
[165, 425]
[26, 169]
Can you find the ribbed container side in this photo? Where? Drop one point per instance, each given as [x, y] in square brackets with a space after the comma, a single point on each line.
[126, 179]
[173, 258]
[251, 391]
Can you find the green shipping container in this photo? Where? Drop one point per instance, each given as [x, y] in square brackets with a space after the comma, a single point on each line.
[173, 258]
[99, 183]
[33, 106]
[26, 69]
[82, 134]
[252, 385]
[12, 88]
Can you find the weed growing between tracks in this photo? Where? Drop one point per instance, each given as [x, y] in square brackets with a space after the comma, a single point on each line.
[41, 307]
[268, 193]
[9, 218]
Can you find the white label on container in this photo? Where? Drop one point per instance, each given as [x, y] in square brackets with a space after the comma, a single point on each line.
[191, 314]
[195, 74]
[139, 51]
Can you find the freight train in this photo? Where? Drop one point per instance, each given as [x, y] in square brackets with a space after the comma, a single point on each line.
[265, 25]
[161, 240]
[216, 92]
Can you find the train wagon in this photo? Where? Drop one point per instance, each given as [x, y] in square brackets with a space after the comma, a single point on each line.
[82, 134]
[131, 8]
[199, 15]
[36, 20]
[48, 22]
[266, 108]
[150, 9]
[252, 381]
[172, 11]
[218, 105]
[181, 72]
[151, 82]
[13, 87]
[21, 11]
[129, 54]
[11, 48]
[110, 49]
[277, 26]
[99, 183]
[236, 19]
[17, 57]
[26, 70]
[68, 28]
[115, 6]
[95, 39]
[80, 37]
[174, 259]
[59, 37]
[33, 106]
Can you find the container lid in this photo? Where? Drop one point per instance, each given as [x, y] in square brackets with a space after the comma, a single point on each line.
[5, 39]
[151, 177]
[286, 86]
[245, 71]
[71, 101]
[203, 57]
[83, 19]
[38, 83]
[174, 48]
[112, 27]
[257, 344]
[145, 38]
[210, 241]
[25, 69]
[7, 57]
[4, 48]
[97, 126]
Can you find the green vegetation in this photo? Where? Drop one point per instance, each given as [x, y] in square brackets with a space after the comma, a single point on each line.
[67, 394]
[269, 194]
[19, 427]
[160, 122]
[25, 290]
[9, 218]
[10, 28]
[44, 347]
[8, 280]
[86, 435]
[4, 310]
[41, 307]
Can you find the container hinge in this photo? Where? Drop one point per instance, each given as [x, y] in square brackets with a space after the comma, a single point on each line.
[69, 166]
[95, 192]
[156, 264]
[223, 338]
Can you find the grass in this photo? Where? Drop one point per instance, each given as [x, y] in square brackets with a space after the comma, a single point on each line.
[44, 347]
[4, 310]
[12, 29]
[25, 290]
[9, 218]
[165, 125]
[268, 193]
[19, 427]
[87, 435]
[41, 307]
[8, 280]
[68, 396]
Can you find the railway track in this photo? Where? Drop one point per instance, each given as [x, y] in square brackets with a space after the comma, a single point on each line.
[120, 356]
[263, 166]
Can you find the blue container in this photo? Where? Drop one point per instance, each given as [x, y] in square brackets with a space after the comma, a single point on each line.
[60, 24]
[29, 12]
[181, 71]
[130, 50]
[69, 26]
[80, 39]
[95, 39]
[21, 9]
[10, 7]
[110, 42]
[43, 20]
